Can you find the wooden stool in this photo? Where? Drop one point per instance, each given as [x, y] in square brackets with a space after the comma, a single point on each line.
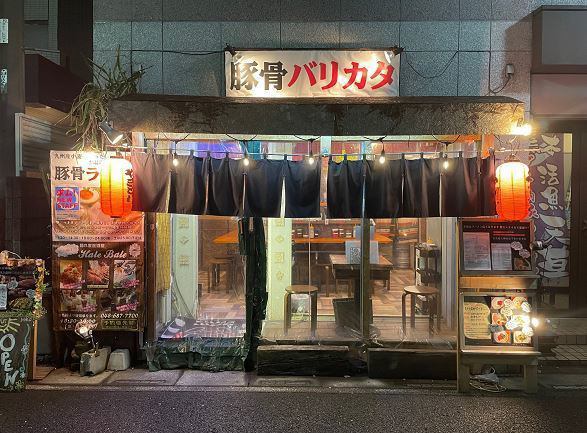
[301, 290]
[214, 272]
[428, 292]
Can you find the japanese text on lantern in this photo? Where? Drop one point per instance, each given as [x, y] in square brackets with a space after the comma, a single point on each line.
[312, 73]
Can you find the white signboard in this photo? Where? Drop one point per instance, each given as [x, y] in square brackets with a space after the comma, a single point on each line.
[311, 73]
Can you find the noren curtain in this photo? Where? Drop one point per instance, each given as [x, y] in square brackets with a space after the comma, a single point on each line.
[383, 189]
[302, 189]
[419, 188]
[345, 189]
[264, 183]
[421, 191]
[152, 181]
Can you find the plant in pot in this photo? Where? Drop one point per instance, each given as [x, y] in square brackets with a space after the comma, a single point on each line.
[89, 111]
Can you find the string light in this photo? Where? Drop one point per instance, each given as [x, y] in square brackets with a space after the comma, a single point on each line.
[382, 157]
[311, 159]
[175, 160]
[246, 159]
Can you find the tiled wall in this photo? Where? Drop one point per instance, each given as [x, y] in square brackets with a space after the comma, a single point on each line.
[470, 40]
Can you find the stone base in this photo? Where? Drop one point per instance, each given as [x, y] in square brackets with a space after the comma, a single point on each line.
[119, 360]
[94, 363]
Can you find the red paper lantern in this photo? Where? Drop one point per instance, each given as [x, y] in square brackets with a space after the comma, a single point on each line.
[512, 192]
[116, 187]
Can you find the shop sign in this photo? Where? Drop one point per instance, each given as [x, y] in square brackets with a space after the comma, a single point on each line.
[15, 336]
[548, 208]
[75, 202]
[99, 282]
[312, 73]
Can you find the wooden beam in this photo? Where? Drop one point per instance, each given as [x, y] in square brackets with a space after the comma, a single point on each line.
[316, 116]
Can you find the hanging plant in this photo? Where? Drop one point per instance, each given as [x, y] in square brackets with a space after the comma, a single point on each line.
[91, 105]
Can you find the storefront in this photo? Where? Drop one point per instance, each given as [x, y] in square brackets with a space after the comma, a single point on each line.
[315, 252]
[305, 235]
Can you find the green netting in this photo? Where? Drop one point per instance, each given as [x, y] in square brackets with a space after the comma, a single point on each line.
[224, 353]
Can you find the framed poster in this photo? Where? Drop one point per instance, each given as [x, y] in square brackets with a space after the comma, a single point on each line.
[496, 247]
[100, 282]
[496, 319]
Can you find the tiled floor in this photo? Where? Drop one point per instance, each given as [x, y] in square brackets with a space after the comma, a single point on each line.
[567, 354]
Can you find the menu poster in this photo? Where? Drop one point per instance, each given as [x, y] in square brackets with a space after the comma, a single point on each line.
[476, 320]
[18, 286]
[100, 282]
[15, 336]
[503, 320]
[75, 195]
[477, 253]
[496, 246]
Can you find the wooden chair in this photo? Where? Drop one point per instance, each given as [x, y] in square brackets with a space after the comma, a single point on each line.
[214, 268]
[301, 289]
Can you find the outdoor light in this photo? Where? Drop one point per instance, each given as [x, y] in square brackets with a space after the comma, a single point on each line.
[84, 329]
[512, 191]
[111, 134]
[521, 128]
[382, 157]
[311, 159]
[116, 186]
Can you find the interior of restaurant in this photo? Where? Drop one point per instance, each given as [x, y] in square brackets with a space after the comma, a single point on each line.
[312, 264]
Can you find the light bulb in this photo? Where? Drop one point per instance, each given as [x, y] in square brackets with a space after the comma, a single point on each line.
[311, 160]
[535, 322]
[175, 161]
[246, 160]
[382, 158]
[520, 128]
[445, 164]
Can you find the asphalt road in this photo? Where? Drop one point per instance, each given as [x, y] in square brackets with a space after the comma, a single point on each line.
[289, 410]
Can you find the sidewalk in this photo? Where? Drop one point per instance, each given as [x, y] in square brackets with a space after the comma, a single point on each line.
[553, 378]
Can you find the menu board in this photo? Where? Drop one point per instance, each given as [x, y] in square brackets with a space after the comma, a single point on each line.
[100, 282]
[17, 287]
[497, 320]
[496, 246]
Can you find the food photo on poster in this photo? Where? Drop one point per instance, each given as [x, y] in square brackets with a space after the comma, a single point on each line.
[99, 282]
[490, 320]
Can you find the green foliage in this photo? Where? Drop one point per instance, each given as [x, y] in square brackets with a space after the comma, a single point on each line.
[91, 106]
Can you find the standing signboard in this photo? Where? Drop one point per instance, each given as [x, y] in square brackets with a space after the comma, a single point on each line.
[496, 295]
[312, 73]
[21, 295]
[98, 271]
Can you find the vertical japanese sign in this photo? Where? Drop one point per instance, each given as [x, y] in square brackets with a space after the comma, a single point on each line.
[547, 206]
[98, 271]
[309, 73]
